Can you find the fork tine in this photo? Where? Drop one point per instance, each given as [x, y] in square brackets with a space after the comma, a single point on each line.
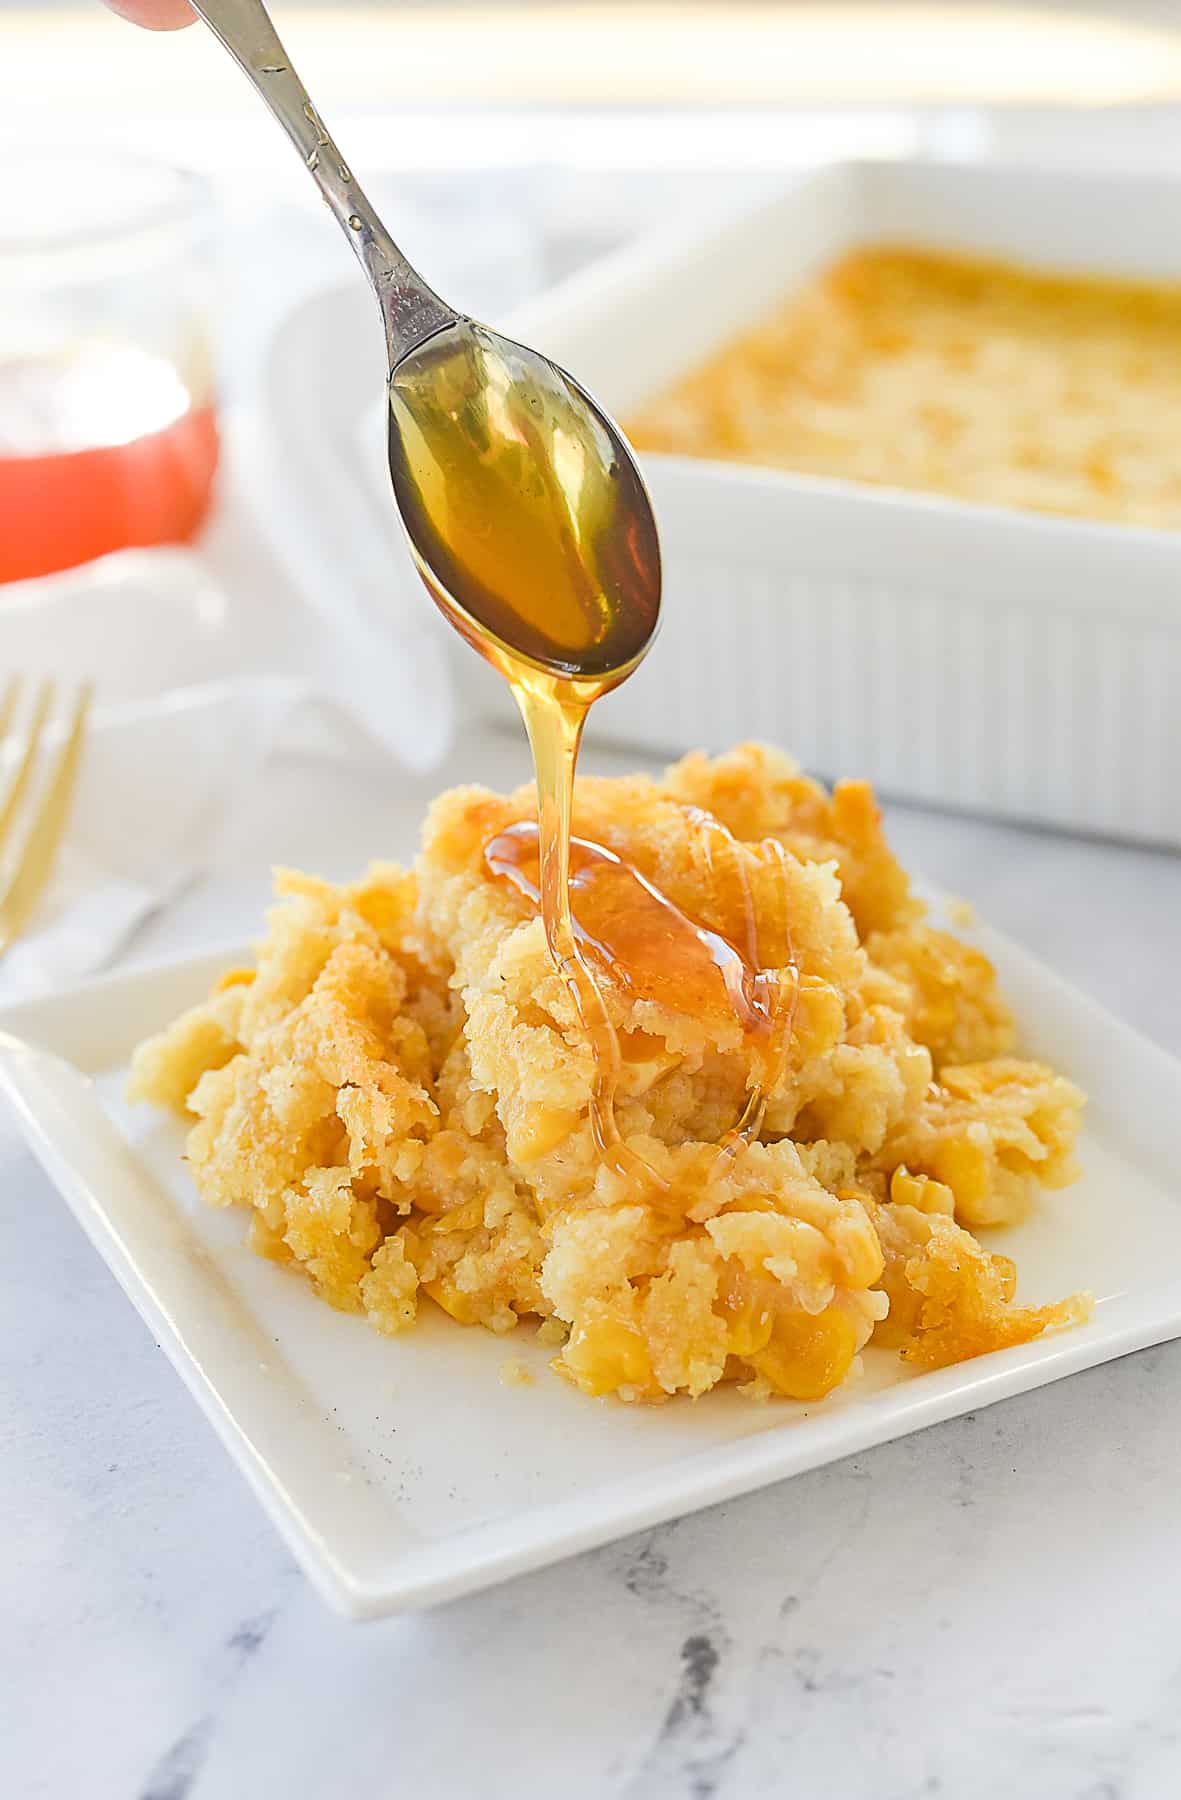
[12, 688]
[19, 779]
[40, 846]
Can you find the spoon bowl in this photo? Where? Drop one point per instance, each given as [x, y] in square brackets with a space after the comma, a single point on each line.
[526, 513]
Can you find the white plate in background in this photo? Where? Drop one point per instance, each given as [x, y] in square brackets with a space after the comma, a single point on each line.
[403, 1471]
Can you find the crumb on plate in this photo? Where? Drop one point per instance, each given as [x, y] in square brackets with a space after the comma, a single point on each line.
[514, 1373]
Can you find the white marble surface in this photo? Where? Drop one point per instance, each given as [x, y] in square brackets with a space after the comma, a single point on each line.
[992, 1607]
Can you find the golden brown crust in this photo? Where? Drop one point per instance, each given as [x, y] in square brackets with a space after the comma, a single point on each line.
[957, 376]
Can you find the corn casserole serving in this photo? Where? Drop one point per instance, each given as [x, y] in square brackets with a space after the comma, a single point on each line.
[399, 1094]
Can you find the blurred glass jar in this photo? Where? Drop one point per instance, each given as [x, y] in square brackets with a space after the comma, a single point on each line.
[108, 430]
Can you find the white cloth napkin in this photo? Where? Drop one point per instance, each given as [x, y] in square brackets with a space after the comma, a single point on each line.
[174, 747]
[160, 784]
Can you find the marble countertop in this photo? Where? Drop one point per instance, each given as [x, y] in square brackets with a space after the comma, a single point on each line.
[990, 1607]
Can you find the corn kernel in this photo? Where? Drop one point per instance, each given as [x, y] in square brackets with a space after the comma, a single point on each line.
[605, 1355]
[921, 1192]
[545, 1127]
[444, 1293]
[809, 1354]
[467, 1217]
[819, 1018]
[748, 1317]
[963, 1167]
[861, 1260]
[233, 978]
[750, 1330]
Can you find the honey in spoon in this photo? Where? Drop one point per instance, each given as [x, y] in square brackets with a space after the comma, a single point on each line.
[525, 510]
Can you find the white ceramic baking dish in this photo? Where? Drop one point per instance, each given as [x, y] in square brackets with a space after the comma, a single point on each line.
[967, 655]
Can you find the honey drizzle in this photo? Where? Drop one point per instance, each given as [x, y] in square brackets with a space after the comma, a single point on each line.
[647, 924]
[641, 938]
[767, 1072]
[765, 1079]
[554, 720]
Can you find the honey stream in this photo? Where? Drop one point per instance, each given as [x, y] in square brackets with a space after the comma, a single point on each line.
[605, 922]
[527, 518]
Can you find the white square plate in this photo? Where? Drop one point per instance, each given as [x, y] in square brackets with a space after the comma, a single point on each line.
[403, 1472]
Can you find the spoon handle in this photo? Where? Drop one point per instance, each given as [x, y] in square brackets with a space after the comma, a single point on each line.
[411, 310]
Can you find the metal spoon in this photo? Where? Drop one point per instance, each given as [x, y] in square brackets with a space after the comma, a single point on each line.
[526, 514]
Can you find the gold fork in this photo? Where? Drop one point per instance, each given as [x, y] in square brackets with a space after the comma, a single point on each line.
[33, 863]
